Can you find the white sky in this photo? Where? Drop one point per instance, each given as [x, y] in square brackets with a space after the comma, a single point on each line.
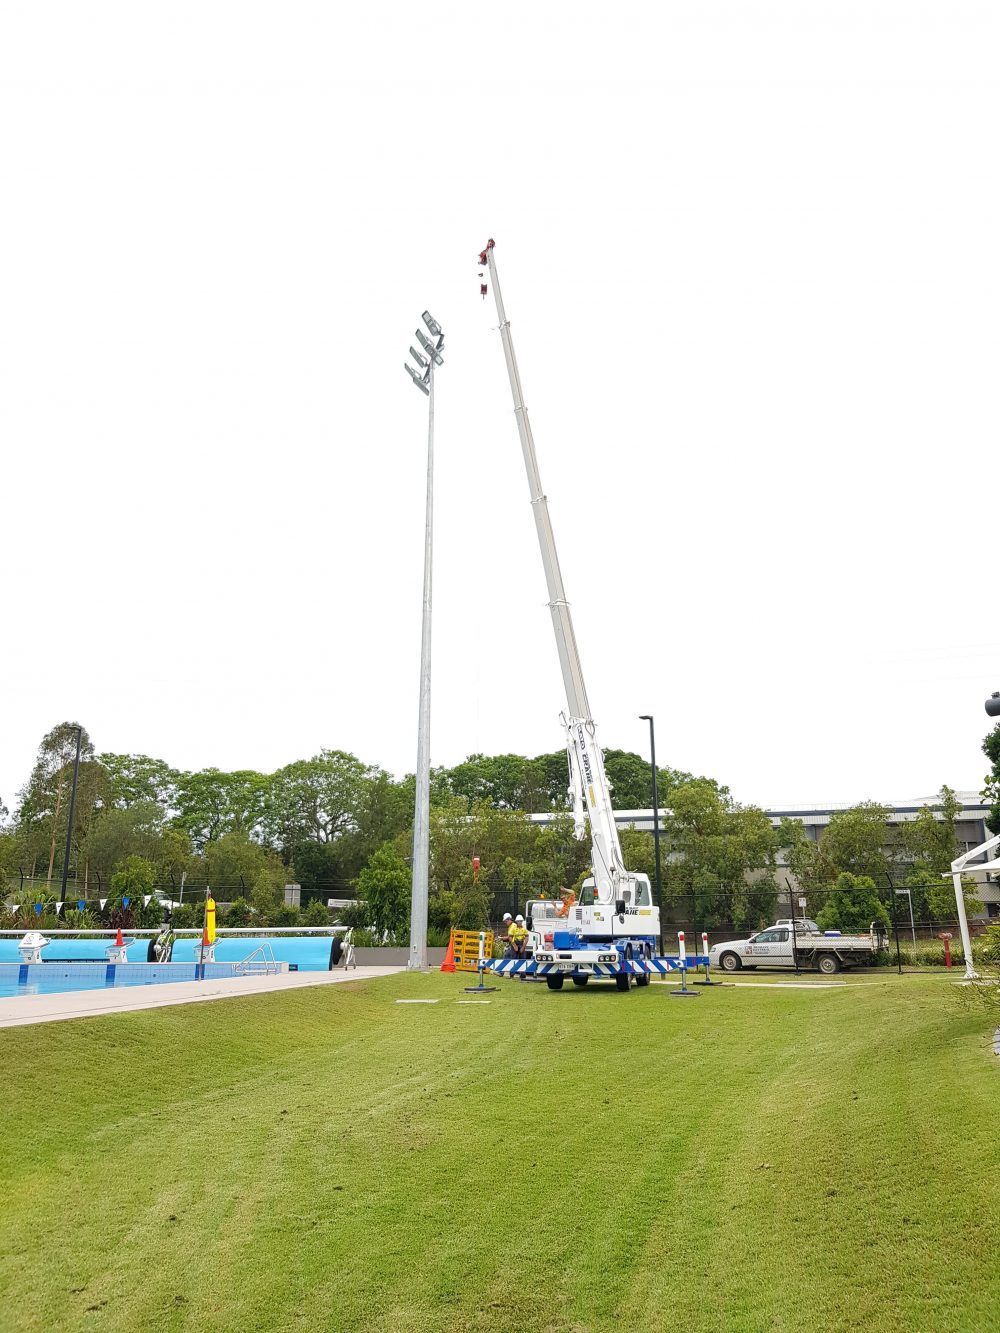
[749, 254]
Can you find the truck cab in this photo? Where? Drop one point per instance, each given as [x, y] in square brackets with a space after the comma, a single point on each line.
[633, 916]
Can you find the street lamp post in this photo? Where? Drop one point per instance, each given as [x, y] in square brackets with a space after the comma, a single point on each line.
[648, 717]
[72, 810]
[913, 930]
[423, 378]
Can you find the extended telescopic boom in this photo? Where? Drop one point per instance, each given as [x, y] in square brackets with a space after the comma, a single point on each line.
[613, 882]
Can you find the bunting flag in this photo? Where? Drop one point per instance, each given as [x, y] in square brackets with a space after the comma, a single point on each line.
[59, 907]
[126, 901]
[102, 901]
[146, 900]
[81, 904]
[38, 909]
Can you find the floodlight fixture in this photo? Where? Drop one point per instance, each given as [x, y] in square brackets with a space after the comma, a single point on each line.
[993, 705]
[429, 348]
[420, 360]
[417, 378]
[433, 326]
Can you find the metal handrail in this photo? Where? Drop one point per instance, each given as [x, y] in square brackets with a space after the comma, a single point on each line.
[266, 955]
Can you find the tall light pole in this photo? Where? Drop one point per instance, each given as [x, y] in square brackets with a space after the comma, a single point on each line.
[648, 717]
[72, 810]
[423, 378]
[901, 893]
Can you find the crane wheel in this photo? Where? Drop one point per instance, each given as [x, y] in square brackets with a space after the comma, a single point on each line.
[580, 981]
[555, 983]
[622, 982]
[643, 979]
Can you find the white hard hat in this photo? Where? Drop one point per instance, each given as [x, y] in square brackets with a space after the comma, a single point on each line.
[519, 919]
[507, 916]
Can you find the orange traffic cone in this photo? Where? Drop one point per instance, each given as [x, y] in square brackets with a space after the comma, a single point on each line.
[449, 959]
[119, 939]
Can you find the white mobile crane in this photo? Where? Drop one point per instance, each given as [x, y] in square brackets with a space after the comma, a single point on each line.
[615, 921]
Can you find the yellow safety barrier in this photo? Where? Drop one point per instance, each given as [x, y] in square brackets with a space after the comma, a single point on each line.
[465, 948]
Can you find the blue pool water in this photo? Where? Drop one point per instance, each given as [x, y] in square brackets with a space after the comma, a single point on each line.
[57, 978]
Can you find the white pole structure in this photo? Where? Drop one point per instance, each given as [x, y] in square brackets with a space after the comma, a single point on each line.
[423, 378]
[957, 866]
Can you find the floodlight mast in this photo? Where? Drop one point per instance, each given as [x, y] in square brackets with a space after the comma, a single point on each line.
[420, 886]
[588, 781]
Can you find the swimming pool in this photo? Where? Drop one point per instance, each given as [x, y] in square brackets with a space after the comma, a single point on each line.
[17, 979]
[302, 952]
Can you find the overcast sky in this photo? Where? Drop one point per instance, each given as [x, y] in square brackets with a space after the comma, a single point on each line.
[749, 254]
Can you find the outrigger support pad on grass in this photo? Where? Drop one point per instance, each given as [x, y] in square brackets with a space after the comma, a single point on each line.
[480, 989]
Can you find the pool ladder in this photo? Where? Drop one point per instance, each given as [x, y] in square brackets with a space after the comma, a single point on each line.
[260, 963]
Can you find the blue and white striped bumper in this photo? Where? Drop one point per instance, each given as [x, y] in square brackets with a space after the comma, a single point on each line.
[527, 967]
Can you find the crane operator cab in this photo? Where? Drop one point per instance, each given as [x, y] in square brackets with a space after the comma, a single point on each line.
[632, 913]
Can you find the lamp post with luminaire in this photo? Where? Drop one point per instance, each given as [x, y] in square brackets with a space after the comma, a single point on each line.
[648, 717]
[423, 377]
[72, 811]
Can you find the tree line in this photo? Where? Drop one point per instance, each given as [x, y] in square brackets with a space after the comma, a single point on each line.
[342, 828]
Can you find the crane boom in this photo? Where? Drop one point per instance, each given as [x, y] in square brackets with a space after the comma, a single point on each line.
[588, 780]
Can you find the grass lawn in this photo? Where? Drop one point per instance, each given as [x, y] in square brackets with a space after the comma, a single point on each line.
[755, 1159]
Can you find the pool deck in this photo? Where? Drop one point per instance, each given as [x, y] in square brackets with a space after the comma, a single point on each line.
[27, 1009]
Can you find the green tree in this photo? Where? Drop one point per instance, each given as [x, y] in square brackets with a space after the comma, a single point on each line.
[931, 836]
[138, 779]
[44, 801]
[317, 799]
[514, 782]
[814, 873]
[860, 842]
[211, 803]
[991, 786]
[853, 905]
[639, 852]
[719, 857]
[934, 895]
[234, 862]
[134, 879]
[240, 914]
[265, 896]
[11, 859]
[316, 914]
[136, 830]
[317, 867]
[385, 811]
[384, 887]
[631, 780]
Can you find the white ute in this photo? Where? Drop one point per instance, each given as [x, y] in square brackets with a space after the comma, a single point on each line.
[805, 945]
